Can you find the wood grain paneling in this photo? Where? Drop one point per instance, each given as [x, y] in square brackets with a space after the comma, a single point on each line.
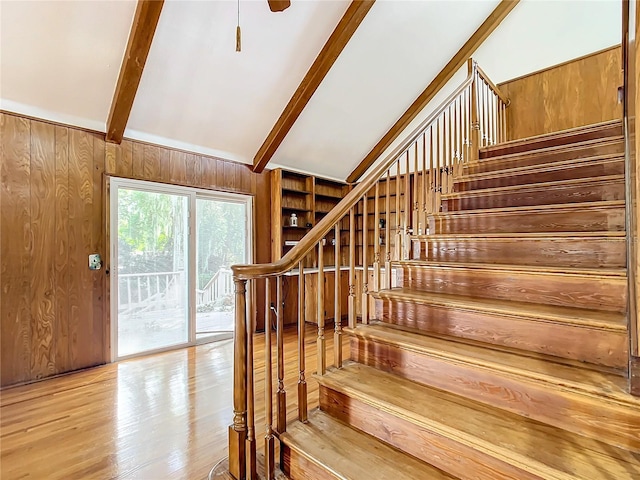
[53, 205]
[43, 216]
[576, 93]
[62, 359]
[16, 248]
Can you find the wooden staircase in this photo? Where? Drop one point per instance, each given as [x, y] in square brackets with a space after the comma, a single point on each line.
[503, 352]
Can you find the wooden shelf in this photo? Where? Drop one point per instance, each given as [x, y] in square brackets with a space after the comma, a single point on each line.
[332, 197]
[296, 192]
[295, 209]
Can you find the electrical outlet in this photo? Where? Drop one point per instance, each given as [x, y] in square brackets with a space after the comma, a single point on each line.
[95, 262]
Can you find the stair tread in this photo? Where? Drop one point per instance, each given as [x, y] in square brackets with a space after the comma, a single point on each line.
[551, 150]
[524, 235]
[534, 186]
[597, 319]
[603, 272]
[559, 134]
[540, 167]
[351, 454]
[536, 208]
[571, 378]
[541, 449]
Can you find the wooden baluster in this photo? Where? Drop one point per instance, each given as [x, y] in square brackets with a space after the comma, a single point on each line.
[505, 133]
[251, 429]
[494, 119]
[438, 177]
[269, 439]
[451, 149]
[465, 127]
[376, 239]
[425, 184]
[459, 137]
[365, 265]
[415, 221]
[387, 233]
[407, 209]
[238, 430]
[475, 121]
[322, 344]
[398, 238]
[281, 394]
[302, 381]
[337, 315]
[445, 155]
[352, 268]
[487, 127]
[432, 173]
[502, 118]
[456, 148]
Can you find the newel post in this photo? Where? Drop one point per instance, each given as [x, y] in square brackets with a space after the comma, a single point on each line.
[475, 118]
[238, 431]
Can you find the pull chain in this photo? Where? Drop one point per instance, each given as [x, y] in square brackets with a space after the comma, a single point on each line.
[238, 34]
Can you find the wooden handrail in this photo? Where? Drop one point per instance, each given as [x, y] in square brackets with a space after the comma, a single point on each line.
[315, 235]
[492, 85]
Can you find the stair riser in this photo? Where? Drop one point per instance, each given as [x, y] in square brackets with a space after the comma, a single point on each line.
[559, 252]
[447, 454]
[506, 179]
[298, 467]
[599, 293]
[606, 422]
[559, 194]
[579, 219]
[554, 141]
[601, 347]
[536, 158]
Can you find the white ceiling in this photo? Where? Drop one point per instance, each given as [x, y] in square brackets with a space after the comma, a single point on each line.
[60, 61]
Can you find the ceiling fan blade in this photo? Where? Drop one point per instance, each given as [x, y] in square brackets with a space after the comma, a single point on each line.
[279, 5]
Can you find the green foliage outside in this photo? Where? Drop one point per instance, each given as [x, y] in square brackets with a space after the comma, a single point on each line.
[152, 227]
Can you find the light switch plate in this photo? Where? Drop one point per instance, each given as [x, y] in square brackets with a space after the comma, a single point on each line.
[95, 262]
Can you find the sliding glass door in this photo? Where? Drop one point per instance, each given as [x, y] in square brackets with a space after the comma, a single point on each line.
[221, 242]
[171, 252]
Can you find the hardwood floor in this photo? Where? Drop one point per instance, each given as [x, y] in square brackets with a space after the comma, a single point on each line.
[161, 416]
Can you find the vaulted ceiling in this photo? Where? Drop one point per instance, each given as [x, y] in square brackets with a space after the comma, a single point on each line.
[60, 61]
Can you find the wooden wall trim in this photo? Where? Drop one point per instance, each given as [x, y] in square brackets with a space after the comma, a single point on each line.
[561, 64]
[341, 35]
[479, 36]
[143, 29]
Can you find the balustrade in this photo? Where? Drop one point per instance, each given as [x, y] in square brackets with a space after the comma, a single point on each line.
[417, 174]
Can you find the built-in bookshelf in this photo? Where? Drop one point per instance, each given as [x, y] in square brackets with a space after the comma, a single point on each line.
[309, 199]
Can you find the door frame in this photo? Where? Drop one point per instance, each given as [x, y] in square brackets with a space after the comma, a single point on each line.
[192, 193]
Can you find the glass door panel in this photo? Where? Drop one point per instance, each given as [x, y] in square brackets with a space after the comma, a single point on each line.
[221, 233]
[152, 261]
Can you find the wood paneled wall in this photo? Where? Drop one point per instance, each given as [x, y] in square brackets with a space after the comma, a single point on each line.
[576, 93]
[53, 309]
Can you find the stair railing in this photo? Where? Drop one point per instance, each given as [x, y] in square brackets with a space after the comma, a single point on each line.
[399, 195]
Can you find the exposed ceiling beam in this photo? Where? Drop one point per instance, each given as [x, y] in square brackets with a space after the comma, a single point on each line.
[458, 60]
[144, 26]
[321, 66]
[279, 5]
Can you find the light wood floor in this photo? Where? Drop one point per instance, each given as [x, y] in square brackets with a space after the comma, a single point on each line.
[164, 416]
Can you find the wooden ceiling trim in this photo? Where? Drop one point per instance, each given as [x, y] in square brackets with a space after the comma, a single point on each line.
[143, 29]
[343, 32]
[480, 35]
